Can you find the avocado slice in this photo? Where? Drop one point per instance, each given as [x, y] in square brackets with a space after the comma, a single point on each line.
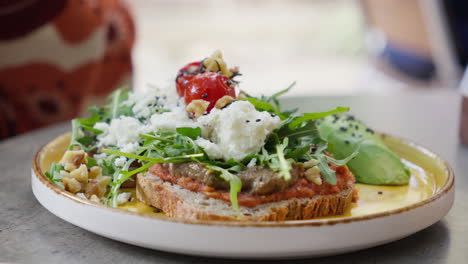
[375, 163]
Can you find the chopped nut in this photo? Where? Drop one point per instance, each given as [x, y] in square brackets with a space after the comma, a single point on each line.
[68, 160]
[197, 107]
[216, 63]
[79, 159]
[315, 179]
[103, 180]
[313, 171]
[80, 174]
[97, 186]
[313, 175]
[71, 184]
[92, 188]
[95, 172]
[64, 173]
[234, 70]
[223, 101]
[310, 163]
[95, 199]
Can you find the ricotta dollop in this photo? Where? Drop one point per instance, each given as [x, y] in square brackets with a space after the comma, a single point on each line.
[235, 131]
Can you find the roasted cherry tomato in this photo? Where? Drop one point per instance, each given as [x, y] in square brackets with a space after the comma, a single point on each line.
[208, 86]
[186, 74]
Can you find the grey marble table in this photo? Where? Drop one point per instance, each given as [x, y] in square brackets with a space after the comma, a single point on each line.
[30, 234]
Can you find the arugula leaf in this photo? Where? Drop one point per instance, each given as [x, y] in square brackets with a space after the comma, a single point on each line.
[75, 135]
[190, 132]
[235, 184]
[262, 105]
[298, 153]
[284, 165]
[265, 103]
[278, 94]
[91, 162]
[277, 161]
[343, 161]
[116, 106]
[315, 116]
[173, 159]
[328, 174]
[53, 173]
[114, 191]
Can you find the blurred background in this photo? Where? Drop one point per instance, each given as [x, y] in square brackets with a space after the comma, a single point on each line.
[71, 53]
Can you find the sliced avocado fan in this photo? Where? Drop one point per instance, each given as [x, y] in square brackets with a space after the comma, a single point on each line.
[375, 163]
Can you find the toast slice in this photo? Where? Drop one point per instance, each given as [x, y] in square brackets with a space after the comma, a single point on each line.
[181, 203]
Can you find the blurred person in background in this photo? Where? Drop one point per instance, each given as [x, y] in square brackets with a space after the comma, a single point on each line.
[58, 55]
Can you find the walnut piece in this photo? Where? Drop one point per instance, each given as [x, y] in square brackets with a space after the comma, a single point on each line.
[95, 172]
[72, 159]
[71, 184]
[313, 175]
[310, 163]
[77, 178]
[80, 174]
[197, 107]
[223, 101]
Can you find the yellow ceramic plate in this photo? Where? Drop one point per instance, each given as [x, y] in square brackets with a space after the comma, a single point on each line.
[386, 212]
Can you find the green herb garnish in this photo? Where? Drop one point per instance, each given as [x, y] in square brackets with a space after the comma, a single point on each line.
[53, 173]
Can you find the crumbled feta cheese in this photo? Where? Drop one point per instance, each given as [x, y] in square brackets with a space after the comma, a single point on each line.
[121, 131]
[238, 130]
[169, 121]
[123, 197]
[153, 97]
[130, 147]
[100, 157]
[120, 161]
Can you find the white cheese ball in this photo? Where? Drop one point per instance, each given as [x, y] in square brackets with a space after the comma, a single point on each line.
[236, 131]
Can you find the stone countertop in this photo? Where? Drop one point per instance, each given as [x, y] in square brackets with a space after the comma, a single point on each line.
[30, 234]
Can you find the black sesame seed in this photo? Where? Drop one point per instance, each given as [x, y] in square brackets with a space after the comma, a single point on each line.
[247, 121]
[346, 142]
[353, 135]
[343, 129]
[204, 95]
[356, 127]
[380, 192]
[156, 97]
[272, 115]
[157, 210]
[349, 118]
[370, 130]
[258, 120]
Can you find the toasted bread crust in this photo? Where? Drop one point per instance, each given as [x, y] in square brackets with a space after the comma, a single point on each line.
[180, 203]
